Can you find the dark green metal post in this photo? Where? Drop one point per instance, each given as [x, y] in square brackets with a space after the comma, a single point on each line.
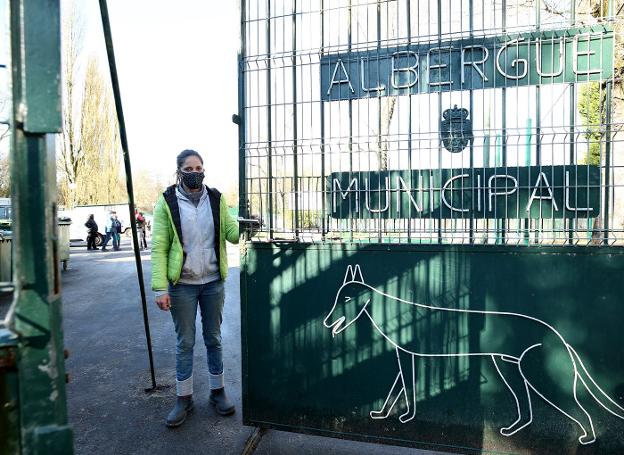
[35, 320]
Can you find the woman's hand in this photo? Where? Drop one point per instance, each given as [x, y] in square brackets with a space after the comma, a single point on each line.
[163, 302]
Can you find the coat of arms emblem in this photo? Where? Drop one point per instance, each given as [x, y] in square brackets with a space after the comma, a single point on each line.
[456, 129]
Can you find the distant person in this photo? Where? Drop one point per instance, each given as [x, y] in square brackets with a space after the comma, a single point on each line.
[116, 234]
[141, 227]
[111, 232]
[92, 233]
[189, 266]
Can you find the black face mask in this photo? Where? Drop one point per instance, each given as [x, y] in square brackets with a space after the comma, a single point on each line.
[192, 180]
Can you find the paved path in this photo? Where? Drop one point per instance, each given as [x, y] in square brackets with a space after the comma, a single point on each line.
[108, 367]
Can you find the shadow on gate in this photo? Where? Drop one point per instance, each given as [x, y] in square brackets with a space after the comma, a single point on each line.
[301, 378]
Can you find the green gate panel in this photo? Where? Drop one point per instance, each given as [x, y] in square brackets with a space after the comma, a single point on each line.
[436, 345]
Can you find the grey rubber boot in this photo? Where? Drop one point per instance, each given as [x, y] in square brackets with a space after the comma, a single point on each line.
[182, 407]
[220, 401]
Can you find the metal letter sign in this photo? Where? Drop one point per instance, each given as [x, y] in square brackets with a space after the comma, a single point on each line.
[554, 57]
[526, 192]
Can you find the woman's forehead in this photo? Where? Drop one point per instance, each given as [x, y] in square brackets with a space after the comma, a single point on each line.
[192, 161]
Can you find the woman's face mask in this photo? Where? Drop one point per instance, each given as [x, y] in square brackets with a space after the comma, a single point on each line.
[192, 180]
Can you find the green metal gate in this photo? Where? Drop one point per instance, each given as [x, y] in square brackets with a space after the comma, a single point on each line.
[33, 408]
[440, 192]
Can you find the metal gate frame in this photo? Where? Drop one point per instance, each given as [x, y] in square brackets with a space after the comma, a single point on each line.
[569, 245]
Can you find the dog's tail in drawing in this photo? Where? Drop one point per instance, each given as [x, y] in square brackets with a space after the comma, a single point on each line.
[594, 389]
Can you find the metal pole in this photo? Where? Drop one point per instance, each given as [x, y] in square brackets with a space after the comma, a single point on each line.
[607, 172]
[408, 15]
[380, 164]
[471, 233]
[108, 39]
[501, 223]
[295, 118]
[350, 103]
[439, 34]
[33, 408]
[269, 120]
[322, 108]
[571, 223]
[538, 104]
[243, 209]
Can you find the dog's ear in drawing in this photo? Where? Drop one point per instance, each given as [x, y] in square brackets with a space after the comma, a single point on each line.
[357, 274]
[349, 275]
[353, 274]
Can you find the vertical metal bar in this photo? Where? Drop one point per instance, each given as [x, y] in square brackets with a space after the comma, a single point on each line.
[38, 402]
[439, 33]
[245, 189]
[501, 223]
[538, 106]
[608, 106]
[295, 117]
[409, 123]
[243, 196]
[379, 124]
[608, 139]
[471, 233]
[349, 46]
[572, 222]
[126, 155]
[269, 114]
[322, 107]
[539, 231]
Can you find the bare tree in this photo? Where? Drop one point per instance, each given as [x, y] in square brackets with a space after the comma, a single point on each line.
[89, 158]
[71, 156]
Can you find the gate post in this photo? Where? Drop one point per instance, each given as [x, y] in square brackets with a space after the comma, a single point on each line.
[34, 323]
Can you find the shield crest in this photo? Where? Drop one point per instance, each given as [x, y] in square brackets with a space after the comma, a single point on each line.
[456, 129]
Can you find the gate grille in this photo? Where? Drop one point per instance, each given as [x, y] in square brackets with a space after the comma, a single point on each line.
[338, 146]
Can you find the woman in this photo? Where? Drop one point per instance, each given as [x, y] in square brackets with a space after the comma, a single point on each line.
[189, 266]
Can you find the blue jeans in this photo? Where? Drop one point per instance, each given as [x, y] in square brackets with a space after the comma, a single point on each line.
[116, 238]
[184, 301]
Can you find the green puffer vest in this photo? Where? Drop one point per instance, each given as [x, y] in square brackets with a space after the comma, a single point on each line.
[167, 253]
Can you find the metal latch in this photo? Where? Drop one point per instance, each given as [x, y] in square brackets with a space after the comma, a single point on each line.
[249, 221]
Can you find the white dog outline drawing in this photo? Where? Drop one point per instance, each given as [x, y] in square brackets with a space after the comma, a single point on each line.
[509, 365]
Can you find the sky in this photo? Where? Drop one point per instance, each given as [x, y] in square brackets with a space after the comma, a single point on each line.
[177, 65]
